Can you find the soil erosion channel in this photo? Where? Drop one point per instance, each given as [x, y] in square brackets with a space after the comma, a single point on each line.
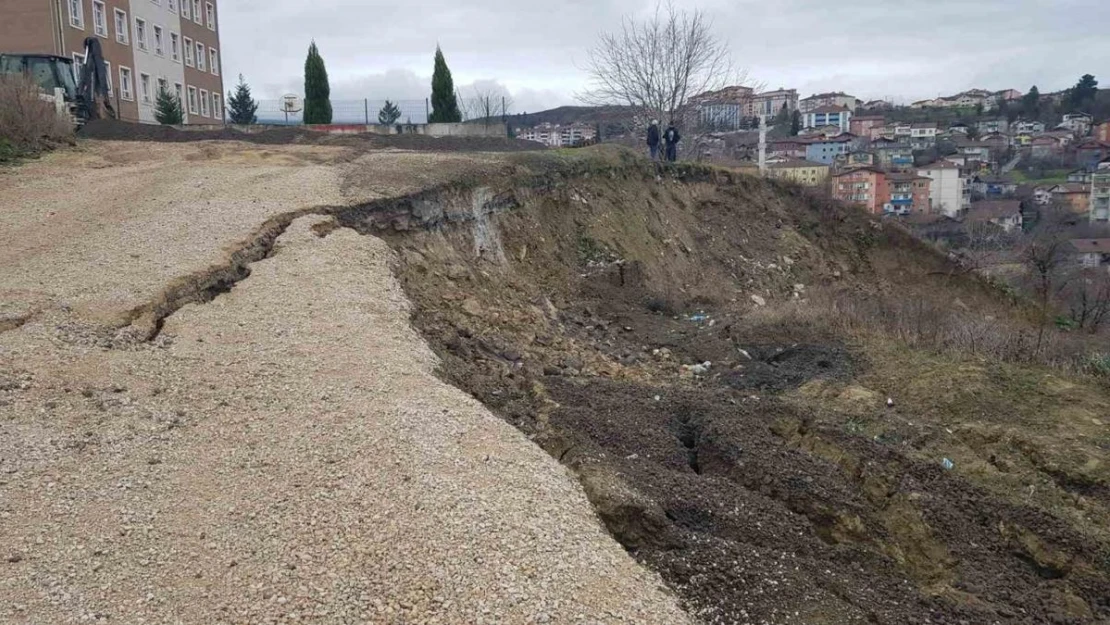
[622, 323]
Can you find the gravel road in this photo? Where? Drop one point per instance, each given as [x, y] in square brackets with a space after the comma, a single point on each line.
[283, 453]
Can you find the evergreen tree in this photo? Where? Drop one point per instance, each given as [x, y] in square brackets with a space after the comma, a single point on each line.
[1084, 92]
[317, 105]
[241, 106]
[795, 123]
[445, 106]
[389, 114]
[1031, 103]
[167, 108]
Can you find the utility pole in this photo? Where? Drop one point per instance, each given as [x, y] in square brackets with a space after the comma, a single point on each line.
[762, 145]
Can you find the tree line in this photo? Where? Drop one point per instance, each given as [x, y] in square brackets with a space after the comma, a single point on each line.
[242, 108]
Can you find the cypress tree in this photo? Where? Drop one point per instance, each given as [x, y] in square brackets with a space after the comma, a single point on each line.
[317, 105]
[241, 106]
[445, 106]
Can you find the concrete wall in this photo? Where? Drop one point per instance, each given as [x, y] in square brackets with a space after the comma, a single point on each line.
[148, 61]
[432, 130]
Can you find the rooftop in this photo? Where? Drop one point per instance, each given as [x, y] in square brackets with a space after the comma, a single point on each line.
[832, 108]
[940, 165]
[993, 209]
[831, 94]
[1089, 246]
[899, 176]
[795, 164]
[1071, 187]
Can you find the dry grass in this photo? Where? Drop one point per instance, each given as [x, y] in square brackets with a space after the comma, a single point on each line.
[28, 124]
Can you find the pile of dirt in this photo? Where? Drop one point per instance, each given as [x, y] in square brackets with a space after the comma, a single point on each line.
[608, 316]
[114, 130]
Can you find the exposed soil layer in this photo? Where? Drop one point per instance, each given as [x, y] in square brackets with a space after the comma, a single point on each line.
[125, 131]
[607, 317]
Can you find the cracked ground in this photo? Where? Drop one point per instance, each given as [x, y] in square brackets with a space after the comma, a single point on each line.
[279, 450]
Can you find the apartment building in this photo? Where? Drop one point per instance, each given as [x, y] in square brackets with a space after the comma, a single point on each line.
[769, 103]
[148, 45]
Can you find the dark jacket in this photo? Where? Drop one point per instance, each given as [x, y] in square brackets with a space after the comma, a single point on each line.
[671, 136]
[653, 135]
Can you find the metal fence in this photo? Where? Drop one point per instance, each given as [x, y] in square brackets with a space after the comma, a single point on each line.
[366, 111]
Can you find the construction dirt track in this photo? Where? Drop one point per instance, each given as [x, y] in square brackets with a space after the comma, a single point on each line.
[340, 381]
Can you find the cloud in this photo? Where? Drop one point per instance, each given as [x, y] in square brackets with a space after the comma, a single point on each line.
[534, 50]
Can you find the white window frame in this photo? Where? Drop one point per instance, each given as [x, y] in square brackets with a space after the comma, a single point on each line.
[171, 5]
[189, 50]
[210, 15]
[76, 20]
[175, 47]
[179, 93]
[122, 36]
[144, 88]
[126, 93]
[78, 61]
[108, 75]
[191, 91]
[140, 34]
[101, 30]
[161, 84]
[185, 9]
[159, 40]
[204, 103]
[201, 56]
[213, 61]
[217, 107]
[197, 17]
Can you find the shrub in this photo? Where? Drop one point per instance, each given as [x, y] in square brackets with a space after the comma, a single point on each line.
[28, 124]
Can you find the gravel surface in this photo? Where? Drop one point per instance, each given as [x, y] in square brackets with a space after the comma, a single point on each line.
[283, 453]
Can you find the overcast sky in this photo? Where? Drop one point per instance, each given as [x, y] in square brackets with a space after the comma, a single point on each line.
[535, 49]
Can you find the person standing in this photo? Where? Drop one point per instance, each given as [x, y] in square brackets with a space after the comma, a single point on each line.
[653, 139]
[671, 139]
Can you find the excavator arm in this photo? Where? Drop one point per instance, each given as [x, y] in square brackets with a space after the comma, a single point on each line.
[93, 84]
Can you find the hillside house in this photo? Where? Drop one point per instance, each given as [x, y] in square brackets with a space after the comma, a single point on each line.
[1091, 253]
[825, 150]
[1090, 151]
[839, 116]
[1102, 132]
[948, 190]
[1042, 195]
[1077, 197]
[794, 147]
[1077, 123]
[835, 98]
[1029, 127]
[863, 186]
[972, 150]
[994, 125]
[923, 135]
[1046, 146]
[1099, 204]
[1006, 214]
[803, 172]
[769, 103]
[892, 155]
[1081, 176]
[959, 128]
[907, 193]
[937, 228]
[993, 187]
[861, 125]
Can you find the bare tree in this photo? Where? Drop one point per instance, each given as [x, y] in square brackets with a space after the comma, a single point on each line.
[656, 65]
[1046, 258]
[486, 101]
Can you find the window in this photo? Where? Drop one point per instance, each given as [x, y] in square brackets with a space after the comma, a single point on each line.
[78, 62]
[144, 87]
[172, 6]
[108, 77]
[216, 113]
[214, 61]
[159, 46]
[175, 47]
[188, 52]
[193, 100]
[121, 27]
[76, 14]
[177, 92]
[185, 9]
[125, 89]
[100, 18]
[163, 86]
[140, 33]
[210, 13]
[200, 56]
[197, 17]
[203, 103]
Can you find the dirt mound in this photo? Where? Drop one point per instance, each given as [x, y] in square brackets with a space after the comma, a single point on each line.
[125, 131]
[618, 325]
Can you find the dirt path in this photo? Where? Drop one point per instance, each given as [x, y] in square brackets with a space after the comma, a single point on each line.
[282, 453]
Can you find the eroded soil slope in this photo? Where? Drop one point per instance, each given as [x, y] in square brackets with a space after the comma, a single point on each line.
[639, 330]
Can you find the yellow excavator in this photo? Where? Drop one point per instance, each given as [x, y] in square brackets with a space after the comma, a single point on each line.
[79, 93]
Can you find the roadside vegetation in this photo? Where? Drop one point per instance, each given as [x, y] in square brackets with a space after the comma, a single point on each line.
[29, 125]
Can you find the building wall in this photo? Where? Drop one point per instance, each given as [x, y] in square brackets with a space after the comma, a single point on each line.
[148, 61]
[870, 197]
[202, 80]
[1099, 204]
[945, 190]
[29, 26]
[116, 54]
[825, 153]
[809, 176]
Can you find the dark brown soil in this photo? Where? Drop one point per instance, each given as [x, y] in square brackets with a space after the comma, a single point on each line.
[751, 507]
[127, 131]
